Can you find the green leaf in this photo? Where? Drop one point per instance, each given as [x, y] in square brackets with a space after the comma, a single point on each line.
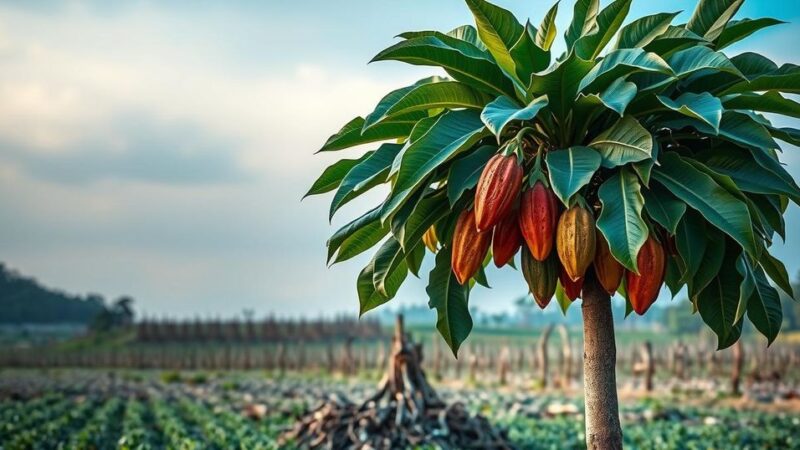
[620, 63]
[711, 262]
[747, 287]
[620, 218]
[368, 297]
[393, 97]
[615, 97]
[750, 174]
[737, 30]
[776, 272]
[717, 303]
[332, 176]
[356, 238]
[643, 31]
[414, 259]
[465, 173]
[770, 101]
[784, 79]
[498, 114]
[694, 59]
[529, 57]
[547, 30]
[584, 20]
[499, 30]
[429, 211]
[626, 141]
[561, 297]
[351, 134]
[704, 107]
[764, 307]
[365, 175]
[445, 94]
[735, 127]
[691, 242]
[453, 132]
[571, 169]
[451, 301]
[390, 269]
[663, 207]
[608, 22]
[560, 83]
[462, 60]
[702, 193]
[674, 39]
[711, 16]
[367, 220]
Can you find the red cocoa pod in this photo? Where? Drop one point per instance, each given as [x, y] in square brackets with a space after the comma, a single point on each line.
[608, 270]
[506, 240]
[497, 189]
[541, 276]
[643, 288]
[575, 241]
[469, 247]
[572, 288]
[538, 217]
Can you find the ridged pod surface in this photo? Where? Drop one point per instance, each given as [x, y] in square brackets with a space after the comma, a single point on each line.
[497, 189]
[430, 240]
[541, 276]
[506, 240]
[575, 241]
[572, 288]
[538, 217]
[608, 270]
[643, 288]
[469, 247]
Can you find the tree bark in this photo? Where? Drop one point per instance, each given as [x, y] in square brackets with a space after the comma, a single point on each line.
[603, 431]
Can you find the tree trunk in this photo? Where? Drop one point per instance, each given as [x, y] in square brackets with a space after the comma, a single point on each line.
[738, 363]
[603, 431]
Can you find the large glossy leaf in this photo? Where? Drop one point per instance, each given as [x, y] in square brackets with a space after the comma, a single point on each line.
[499, 30]
[465, 173]
[663, 207]
[711, 16]
[735, 127]
[776, 272]
[584, 20]
[737, 30]
[770, 101]
[390, 268]
[453, 132]
[368, 297]
[717, 303]
[332, 176]
[751, 174]
[784, 79]
[429, 211]
[351, 134]
[703, 106]
[365, 175]
[571, 169]
[451, 301]
[703, 194]
[694, 59]
[560, 83]
[343, 233]
[547, 30]
[609, 20]
[529, 57]
[356, 237]
[643, 31]
[446, 94]
[499, 114]
[691, 243]
[711, 262]
[674, 39]
[747, 286]
[393, 97]
[620, 218]
[764, 307]
[420, 129]
[615, 97]
[620, 63]
[462, 60]
[626, 141]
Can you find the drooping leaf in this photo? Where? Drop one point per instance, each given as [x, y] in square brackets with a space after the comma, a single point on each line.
[764, 307]
[615, 97]
[694, 59]
[499, 30]
[355, 239]
[747, 286]
[367, 219]
[465, 172]
[751, 174]
[368, 297]
[351, 134]
[643, 31]
[737, 30]
[389, 269]
[620, 218]
[770, 101]
[714, 253]
[626, 141]
[711, 16]
[560, 83]
[332, 176]
[717, 303]
[429, 211]
[620, 63]
[691, 242]
[498, 114]
[584, 20]
[365, 175]
[451, 301]
[609, 20]
[735, 127]
[776, 271]
[663, 207]
[547, 30]
[571, 169]
[703, 106]
[784, 79]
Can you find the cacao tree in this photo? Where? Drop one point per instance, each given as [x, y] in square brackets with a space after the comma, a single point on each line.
[638, 157]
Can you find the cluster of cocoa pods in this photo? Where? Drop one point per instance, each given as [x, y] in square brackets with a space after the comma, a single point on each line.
[558, 245]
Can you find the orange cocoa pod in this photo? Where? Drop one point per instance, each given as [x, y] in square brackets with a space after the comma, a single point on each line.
[538, 217]
[506, 240]
[541, 276]
[575, 241]
[643, 288]
[497, 189]
[609, 271]
[469, 247]
[572, 288]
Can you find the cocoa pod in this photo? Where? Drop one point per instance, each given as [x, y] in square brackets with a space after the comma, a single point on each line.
[506, 240]
[608, 270]
[575, 241]
[643, 288]
[469, 247]
[538, 217]
[541, 276]
[497, 189]
[572, 288]
[430, 240]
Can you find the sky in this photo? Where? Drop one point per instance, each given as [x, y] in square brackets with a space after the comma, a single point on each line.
[161, 149]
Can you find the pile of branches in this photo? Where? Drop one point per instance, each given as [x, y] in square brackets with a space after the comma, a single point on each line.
[404, 412]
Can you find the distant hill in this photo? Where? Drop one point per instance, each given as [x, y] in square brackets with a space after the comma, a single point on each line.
[25, 300]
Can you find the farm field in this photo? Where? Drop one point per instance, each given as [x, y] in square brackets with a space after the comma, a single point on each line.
[84, 409]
